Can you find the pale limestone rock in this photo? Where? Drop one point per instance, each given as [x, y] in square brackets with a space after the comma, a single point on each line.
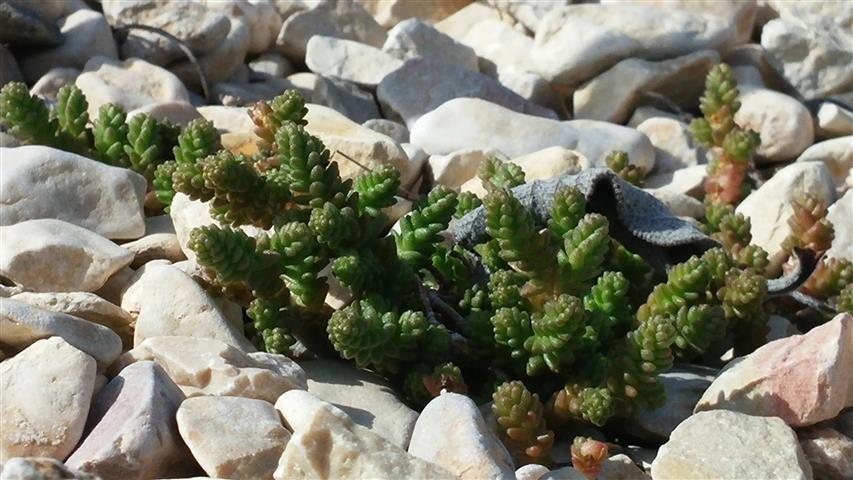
[414, 38]
[345, 97]
[812, 52]
[840, 214]
[472, 123]
[159, 242]
[273, 64]
[169, 302]
[460, 23]
[263, 19]
[86, 34]
[43, 182]
[367, 398]
[393, 12]
[327, 444]
[204, 366]
[565, 473]
[48, 85]
[730, 445]
[829, 452]
[23, 325]
[363, 145]
[784, 124]
[133, 432]
[228, 119]
[617, 467]
[531, 86]
[837, 155]
[803, 379]
[528, 14]
[333, 18]
[451, 433]
[131, 84]
[396, 130]
[40, 468]
[769, 207]
[421, 85]
[576, 42]
[115, 286]
[540, 165]
[646, 112]
[674, 145]
[220, 64]
[347, 60]
[680, 204]
[613, 95]
[303, 82]
[501, 48]
[833, 121]
[48, 255]
[532, 471]
[47, 390]
[684, 385]
[688, 180]
[179, 112]
[233, 437]
[456, 168]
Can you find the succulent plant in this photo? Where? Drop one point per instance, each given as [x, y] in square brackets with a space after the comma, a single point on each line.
[522, 425]
[618, 161]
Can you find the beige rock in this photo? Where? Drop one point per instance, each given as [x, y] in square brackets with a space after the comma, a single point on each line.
[263, 19]
[47, 389]
[40, 468]
[159, 242]
[769, 207]
[273, 64]
[304, 82]
[133, 433]
[348, 60]
[674, 145]
[501, 48]
[222, 62]
[169, 302]
[467, 447]
[531, 86]
[688, 180]
[367, 398]
[228, 119]
[730, 445]
[48, 255]
[784, 124]
[646, 112]
[839, 214]
[460, 23]
[829, 452]
[392, 12]
[233, 437]
[414, 38]
[396, 130]
[363, 145]
[43, 182]
[23, 325]
[48, 85]
[680, 204]
[179, 112]
[532, 471]
[327, 444]
[540, 165]
[837, 155]
[132, 83]
[803, 379]
[204, 366]
[115, 285]
[613, 95]
[833, 121]
[456, 168]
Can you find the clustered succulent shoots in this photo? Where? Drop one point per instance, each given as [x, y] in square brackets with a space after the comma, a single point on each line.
[618, 162]
[732, 147]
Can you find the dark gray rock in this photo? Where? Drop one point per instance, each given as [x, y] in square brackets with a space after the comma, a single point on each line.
[345, 97]
[20, 26]
[9, 71]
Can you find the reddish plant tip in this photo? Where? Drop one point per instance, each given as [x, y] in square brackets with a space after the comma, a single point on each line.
[588, 455]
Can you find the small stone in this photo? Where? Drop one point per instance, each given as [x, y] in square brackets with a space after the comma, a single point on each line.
[115, 285]
[674, 145]
[393, 12]
[613, 95]
[422, 85]
[679, 204]
[49, 84]
[472, 123]
[133, 430]
[684, 385]
[565, 473]
[131, 84]
[414, 38]
[531, 86]
[345, 97]
[458, 24]
[344, 19]
[204, 366]
[837, 155]
[501, 48]
[451, 433]
[367, 398]
[180, 112]
[303, 82]
[40, 468]
[829, 452]
[528, 14]
[812, 53]
[48, 255]
[87, 35]
[784, 124]
[533, 471]
[242, 94]
[24, 325]
[576, 42]
[47, 389]
[42, 182]
[456, 168]
[833, 121]
[20, 26]
[621, 467]
[233, 437]
[540, 165]
[780, 327]
[159, 242]
[645, 112]
[9, 70]
[769, 207]
[688, 180]
[219, 64]
[803, 379]
[349, 60]
[730, 445]
[327, 444]
[368, 148]
[263, 19]
[272, 64]
[168, 302]
[396, 130]
[839, 215]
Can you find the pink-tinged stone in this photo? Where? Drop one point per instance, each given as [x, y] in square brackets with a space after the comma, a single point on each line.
[135, 433]
[803, 379]
[828, 451]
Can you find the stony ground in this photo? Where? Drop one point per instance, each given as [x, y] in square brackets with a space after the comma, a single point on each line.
[118, 364]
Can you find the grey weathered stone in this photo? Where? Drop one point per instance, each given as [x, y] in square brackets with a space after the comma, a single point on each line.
[9, 70]
[684, 385]
[219, 64]
[414, 38]
[674, 145]
[49, 84]
[837, 155]
[345, 97]
[40, 468]
[23, 27]
[348, 60]
[396, 130]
